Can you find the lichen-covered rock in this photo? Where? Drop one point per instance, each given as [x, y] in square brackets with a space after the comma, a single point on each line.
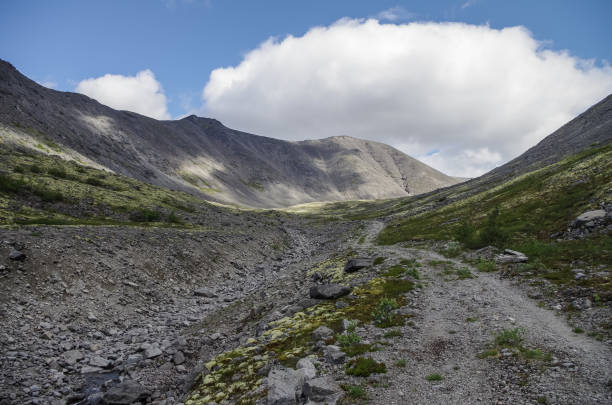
[308, 367]
[322, 332]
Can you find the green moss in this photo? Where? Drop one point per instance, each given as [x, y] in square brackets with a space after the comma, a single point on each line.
[434, 377]
[379, 260]
[364, 367]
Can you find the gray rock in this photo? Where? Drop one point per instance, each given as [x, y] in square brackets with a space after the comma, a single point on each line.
[329, 291]
[205, 292]
[334, 355]
[589, 216]
[358, 263]
[285, 386]
[511, 256]
[98, 361]
[152, 352]
[308, 367]
[125, 393]
[323, 390]
[17, 255]
[322, 332]
[178, 358]
[71, 357]
[90, 370]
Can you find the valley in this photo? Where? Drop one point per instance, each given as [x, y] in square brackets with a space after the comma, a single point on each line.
[122, 284]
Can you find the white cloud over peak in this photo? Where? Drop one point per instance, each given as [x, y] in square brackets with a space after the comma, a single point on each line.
[477, 95]
[396, 13]
[141, 93]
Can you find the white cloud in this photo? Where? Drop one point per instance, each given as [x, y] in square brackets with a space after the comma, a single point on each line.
[458, 88]
[469, 3]
[141, 93]
[396, 13]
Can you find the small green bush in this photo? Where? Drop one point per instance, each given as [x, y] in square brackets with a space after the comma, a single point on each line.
[382, 315]
[58, 172]
[392, 333]
[401, 363]
[36, 169]
[378, 260]
[94, 181]
[145, 215]
[348, 339]
[434, 377]
[354, 391]
[486, 266]
[11, 185]
[363, 367]
[464, 273]
[510, 337]
[578, 330]
[174, 219]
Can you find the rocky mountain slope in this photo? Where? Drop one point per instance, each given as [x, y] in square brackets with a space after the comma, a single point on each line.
[205, 158]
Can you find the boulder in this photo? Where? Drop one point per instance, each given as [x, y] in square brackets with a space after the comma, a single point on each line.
[587, 217]
[357, 263]
[98, 361]
[17, 255]
[205, 292]
[308, 367]
[152, 352]
[334, 355]
[71, 357]
[285, 386]
[125, 393]
[178, 358]
[322, 332]
[329, 291]
[511, 256]
[323, 390]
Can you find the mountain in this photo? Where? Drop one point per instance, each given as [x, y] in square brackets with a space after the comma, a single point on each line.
[205, 158]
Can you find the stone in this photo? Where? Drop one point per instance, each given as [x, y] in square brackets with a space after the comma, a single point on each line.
[357, 263]
[308, 367]
[334, 355]
[322, 332]
[71, 357]
[125, 393]
[284, 386]
[323, 390]
[90, 370]
[98, 361]
[17, 255]
[329, 291]
[511, 256]
[178, 358]
[589, 216]
[152, 352]
[205, 292]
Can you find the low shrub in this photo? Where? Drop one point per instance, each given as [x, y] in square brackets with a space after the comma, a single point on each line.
[363, 367]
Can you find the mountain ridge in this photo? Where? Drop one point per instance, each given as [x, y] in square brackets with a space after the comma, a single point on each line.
[203, 157]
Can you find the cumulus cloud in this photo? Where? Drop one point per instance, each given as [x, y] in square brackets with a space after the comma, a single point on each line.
[141, 93]
[477, 95]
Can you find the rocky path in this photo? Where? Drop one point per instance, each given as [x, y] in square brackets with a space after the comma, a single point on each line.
[457, 319]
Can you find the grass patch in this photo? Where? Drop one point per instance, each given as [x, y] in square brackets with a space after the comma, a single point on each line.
[395, 271]
[464, 273]
[486, 266]
[509, 337]
[364, 367]
[578, 330]
[354, 391]
[401, 363]
[379, 260]
[471, 319]
[434, 377]
[393, 333]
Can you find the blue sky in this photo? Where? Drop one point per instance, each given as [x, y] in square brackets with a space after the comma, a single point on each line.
[183, 41]
[162, 53]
